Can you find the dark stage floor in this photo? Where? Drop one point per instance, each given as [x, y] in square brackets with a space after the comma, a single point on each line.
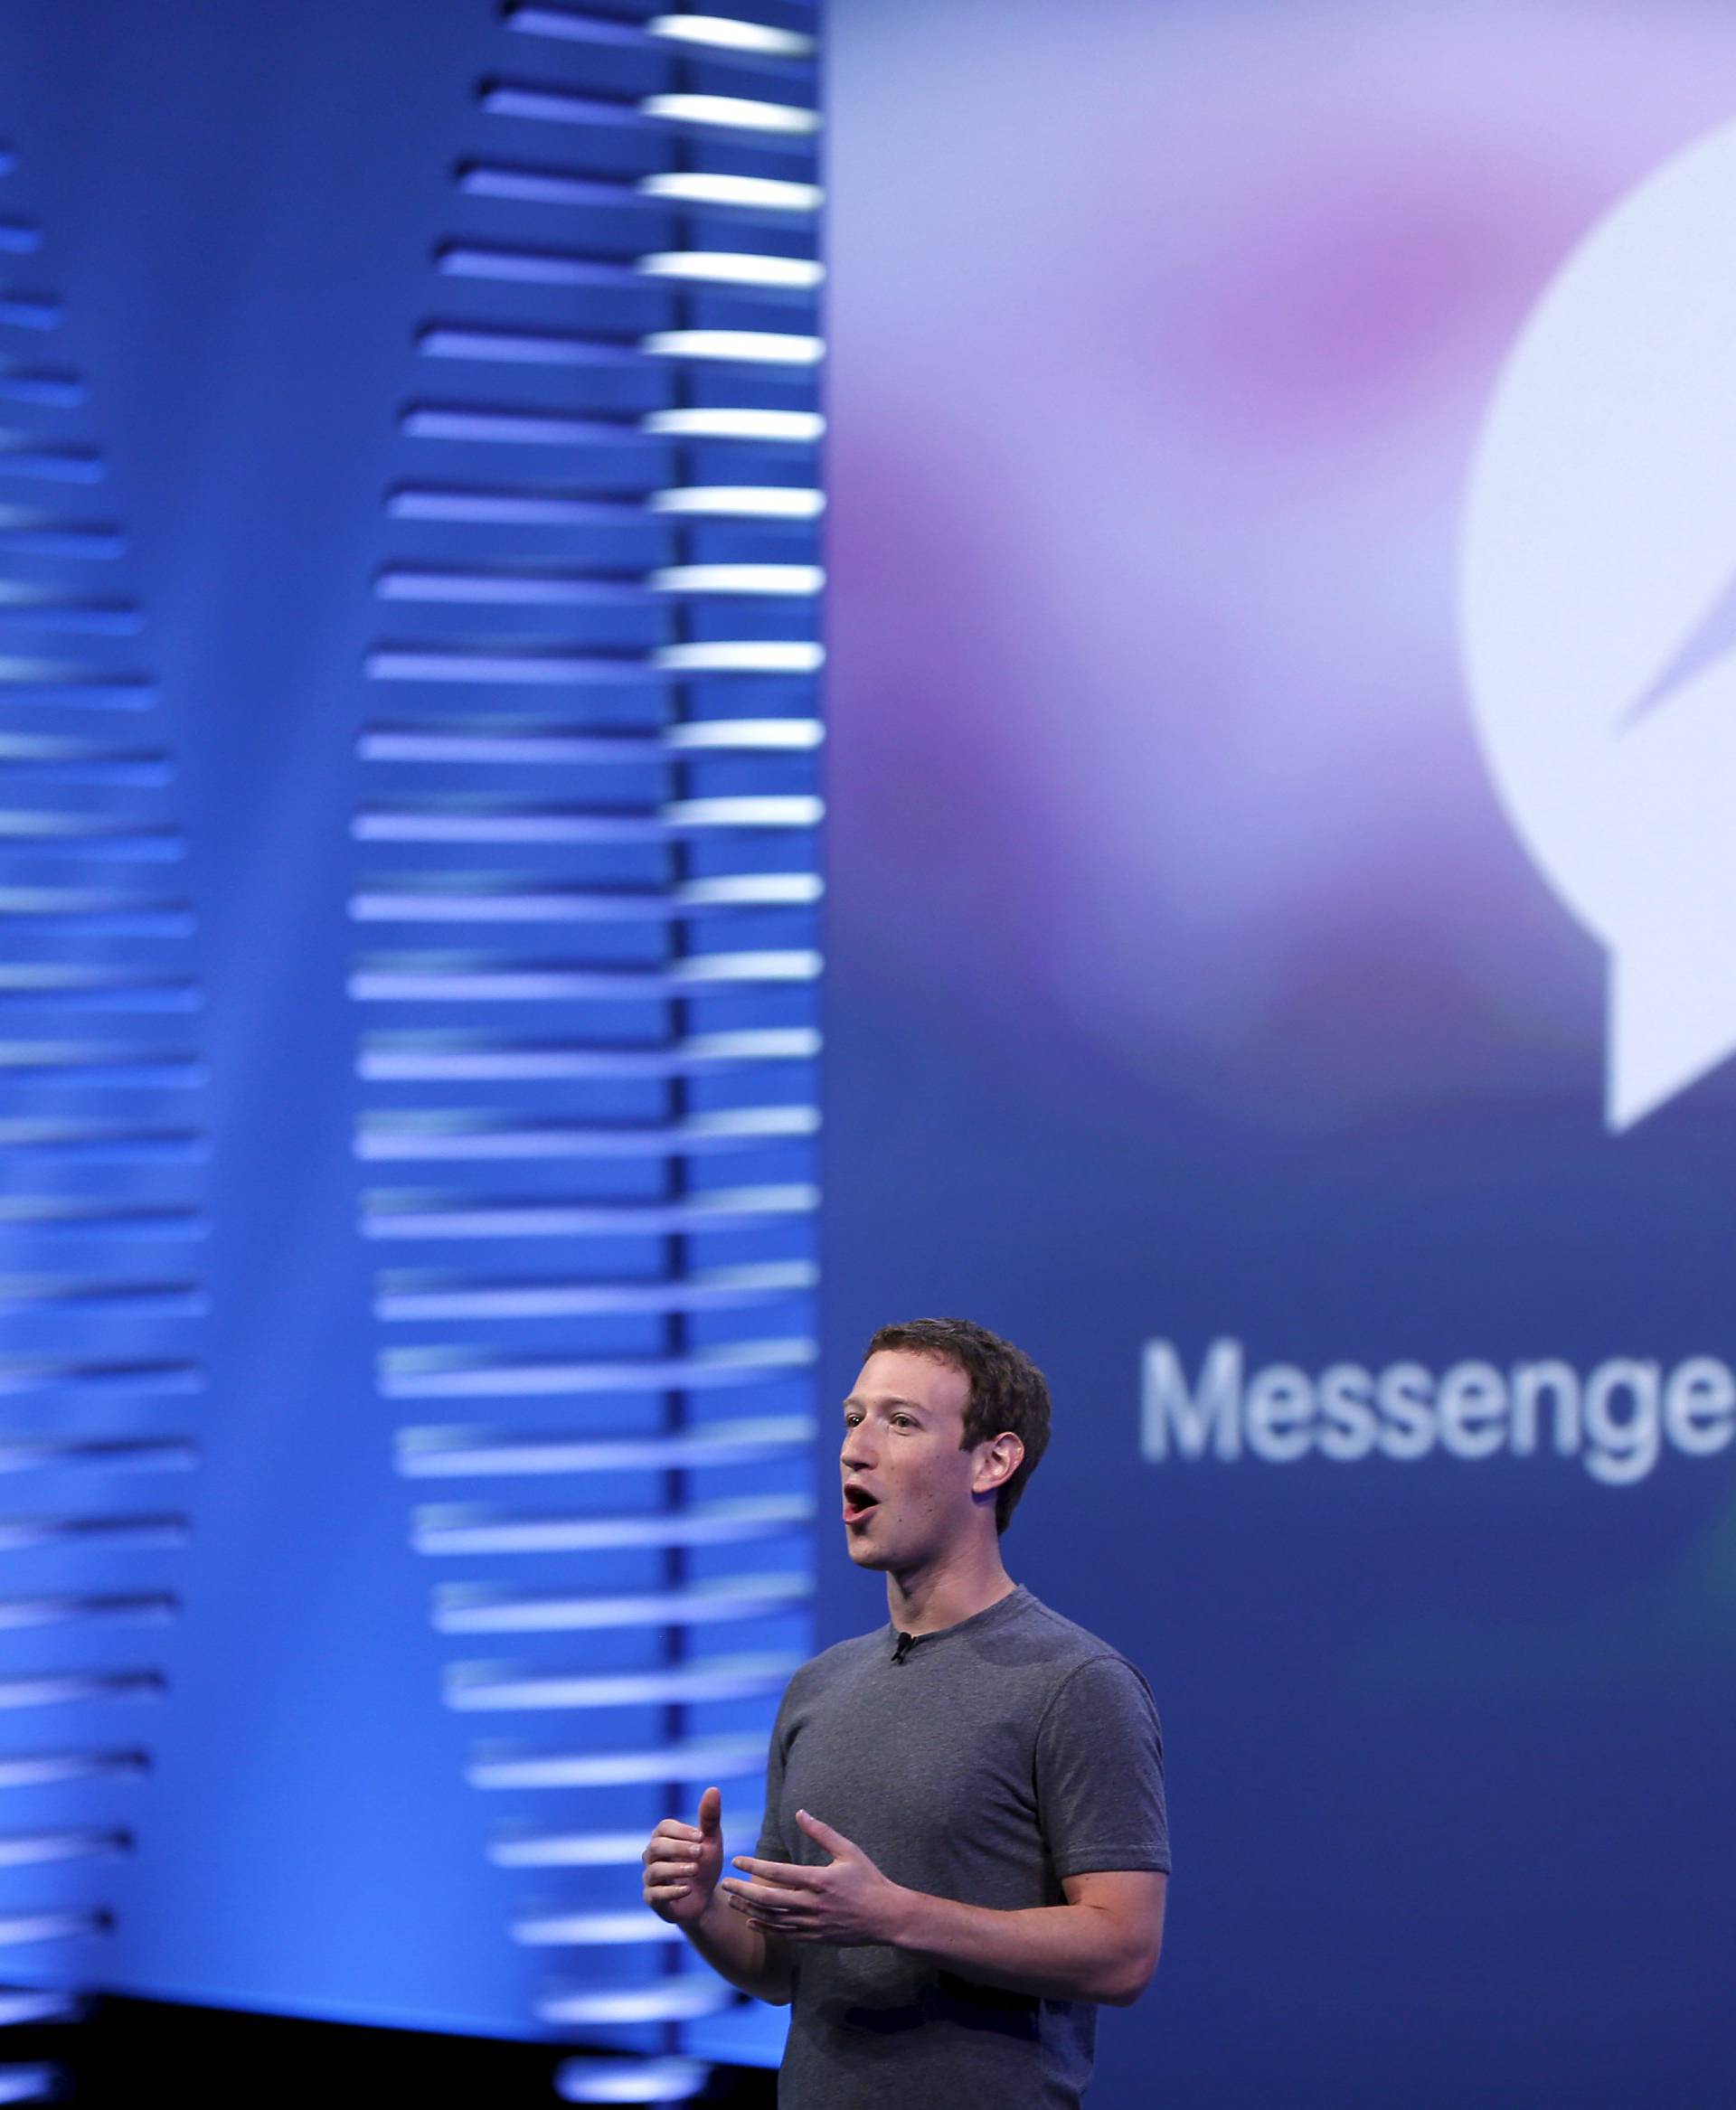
[193, 2055]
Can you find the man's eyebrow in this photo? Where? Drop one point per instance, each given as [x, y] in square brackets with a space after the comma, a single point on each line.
[890, 1399]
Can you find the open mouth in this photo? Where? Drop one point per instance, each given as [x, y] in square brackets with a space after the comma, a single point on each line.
[858, 1503]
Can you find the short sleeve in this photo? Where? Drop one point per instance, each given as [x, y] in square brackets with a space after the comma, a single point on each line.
[1099, 1768]
[772, 1845]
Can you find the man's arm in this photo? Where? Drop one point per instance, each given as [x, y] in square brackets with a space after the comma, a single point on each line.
[752, 1960]
[681, 1865]
[1102, 1945]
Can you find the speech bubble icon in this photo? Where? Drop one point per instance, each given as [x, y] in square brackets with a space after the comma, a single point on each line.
[1598, 611]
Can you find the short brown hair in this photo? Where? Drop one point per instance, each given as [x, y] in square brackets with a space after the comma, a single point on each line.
[1008, 1392]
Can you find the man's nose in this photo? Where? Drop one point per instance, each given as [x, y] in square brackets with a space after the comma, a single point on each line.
[857, 1452]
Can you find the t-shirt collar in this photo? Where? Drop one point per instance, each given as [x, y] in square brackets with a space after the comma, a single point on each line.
[1016, 1600]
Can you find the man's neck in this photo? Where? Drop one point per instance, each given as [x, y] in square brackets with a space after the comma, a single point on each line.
[957, 1587]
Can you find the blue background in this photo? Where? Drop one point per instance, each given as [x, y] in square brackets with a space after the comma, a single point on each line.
[1186, 981]
[239, 211]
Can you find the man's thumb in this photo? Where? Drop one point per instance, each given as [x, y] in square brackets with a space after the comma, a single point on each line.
[711, 1811]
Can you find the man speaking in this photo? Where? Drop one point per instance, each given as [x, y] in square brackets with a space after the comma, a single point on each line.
[965, 1848]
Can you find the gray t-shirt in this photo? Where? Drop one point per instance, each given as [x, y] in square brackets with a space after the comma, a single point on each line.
[997, 1756]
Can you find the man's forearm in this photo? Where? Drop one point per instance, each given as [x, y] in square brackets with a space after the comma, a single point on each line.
[752, 1961]
[1058, 1952]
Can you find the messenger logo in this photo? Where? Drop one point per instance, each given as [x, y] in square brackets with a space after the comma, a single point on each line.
[1598, 611]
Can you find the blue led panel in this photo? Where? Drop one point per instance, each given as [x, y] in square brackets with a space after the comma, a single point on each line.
[444, 1187]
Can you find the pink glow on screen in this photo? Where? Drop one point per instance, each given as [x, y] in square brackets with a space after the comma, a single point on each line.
[1162, 339]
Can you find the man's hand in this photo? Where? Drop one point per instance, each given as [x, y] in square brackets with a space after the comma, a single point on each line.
[683, 1861]
[847, 1903]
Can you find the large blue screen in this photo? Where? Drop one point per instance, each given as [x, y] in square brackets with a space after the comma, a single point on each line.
[1280, 940]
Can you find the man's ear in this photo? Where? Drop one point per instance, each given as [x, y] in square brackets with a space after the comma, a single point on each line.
[996, 1463]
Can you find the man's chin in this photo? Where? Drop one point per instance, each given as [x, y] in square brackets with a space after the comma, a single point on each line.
[865, 1555]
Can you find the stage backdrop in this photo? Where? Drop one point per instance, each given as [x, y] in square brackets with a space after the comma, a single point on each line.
[1284, 482]
[407, 842]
